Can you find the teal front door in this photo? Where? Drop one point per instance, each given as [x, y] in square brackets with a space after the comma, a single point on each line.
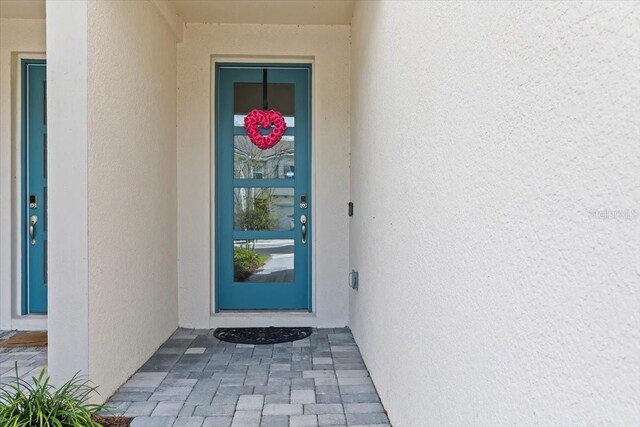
[263, 198]
[34, 187]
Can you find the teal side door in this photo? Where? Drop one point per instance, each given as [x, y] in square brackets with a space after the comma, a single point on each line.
[263, 198]
[34, 187]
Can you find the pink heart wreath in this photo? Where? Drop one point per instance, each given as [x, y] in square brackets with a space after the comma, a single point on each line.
[264, 119]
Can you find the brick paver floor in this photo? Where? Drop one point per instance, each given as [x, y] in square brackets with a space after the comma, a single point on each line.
[195, 380]
[30, 361]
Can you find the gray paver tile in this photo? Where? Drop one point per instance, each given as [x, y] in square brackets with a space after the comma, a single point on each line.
[282, 409]
[195, 350]
[153, 422]
[215, 410]
[302, 384]
[328, 389]
[323, 408]
[249, 402]
[280, 367]
[362, 408]
[303, 421]
[366, 419]
[230, 399]
[189, 422]
[357, 389]
[269, 389]
[277, 398]
[217, 422]
[160, 397]
[352, 373]
[326, 381]
[360, 398]
[167, 409]
[303, 396]
[328, 398]
[342, 381]
[199, 398]
[318, 374]
[258, 379]
[246, 419]
[234, 390]
[332, 419]
[124, 396]
[286, 382]
[140, 409]
[274, 421]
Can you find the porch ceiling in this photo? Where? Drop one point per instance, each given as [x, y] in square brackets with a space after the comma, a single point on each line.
[22, 9]
[321, 12]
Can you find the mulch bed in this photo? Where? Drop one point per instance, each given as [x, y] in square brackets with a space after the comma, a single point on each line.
[113, 421]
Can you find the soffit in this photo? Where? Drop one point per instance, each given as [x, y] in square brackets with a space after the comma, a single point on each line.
[297, 12]
[22, 9]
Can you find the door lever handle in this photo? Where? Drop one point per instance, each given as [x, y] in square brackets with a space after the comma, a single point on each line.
[303, 221]
[32, 228]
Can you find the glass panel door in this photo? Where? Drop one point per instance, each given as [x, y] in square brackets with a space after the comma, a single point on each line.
[263, 220]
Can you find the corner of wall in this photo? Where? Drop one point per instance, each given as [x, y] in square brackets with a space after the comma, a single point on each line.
[174, 21]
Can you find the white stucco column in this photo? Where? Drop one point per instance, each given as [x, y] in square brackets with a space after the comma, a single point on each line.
[67, 165]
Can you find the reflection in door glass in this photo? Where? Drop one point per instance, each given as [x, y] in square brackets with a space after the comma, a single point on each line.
[263, 209]
[263, 261]
[280, 97]
[251, 162]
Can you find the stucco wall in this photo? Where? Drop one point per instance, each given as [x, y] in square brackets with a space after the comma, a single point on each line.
[328, 48]
[67, 227]
[492, 146]
[132, 185]
[17, 36]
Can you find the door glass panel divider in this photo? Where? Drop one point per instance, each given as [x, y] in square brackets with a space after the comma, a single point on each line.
[263, 234]
[263, 183]
[241, 131]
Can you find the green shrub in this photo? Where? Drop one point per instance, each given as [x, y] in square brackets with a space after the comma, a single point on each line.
[257, 215]
[246, 261]
[42, 405]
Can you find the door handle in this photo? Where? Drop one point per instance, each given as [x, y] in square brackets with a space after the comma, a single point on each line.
[303, 221]
[32, 228]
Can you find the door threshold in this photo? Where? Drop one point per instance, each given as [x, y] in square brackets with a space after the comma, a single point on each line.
[262, 312]
[30, 322]
[256, 319]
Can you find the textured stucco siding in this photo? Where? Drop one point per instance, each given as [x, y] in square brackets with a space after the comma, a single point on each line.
[67, 227]
[132, 187]
[495, 170]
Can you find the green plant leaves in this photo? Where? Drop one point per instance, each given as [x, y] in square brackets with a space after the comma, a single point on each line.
[246, 261]
[23, 404]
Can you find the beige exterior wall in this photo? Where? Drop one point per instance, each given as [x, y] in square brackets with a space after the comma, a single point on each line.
[67, 227]
[488, 142]
[132, 212]
[327, 48]
[19, 38]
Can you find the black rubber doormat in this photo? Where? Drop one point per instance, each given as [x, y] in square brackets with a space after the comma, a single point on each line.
[269, 335]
